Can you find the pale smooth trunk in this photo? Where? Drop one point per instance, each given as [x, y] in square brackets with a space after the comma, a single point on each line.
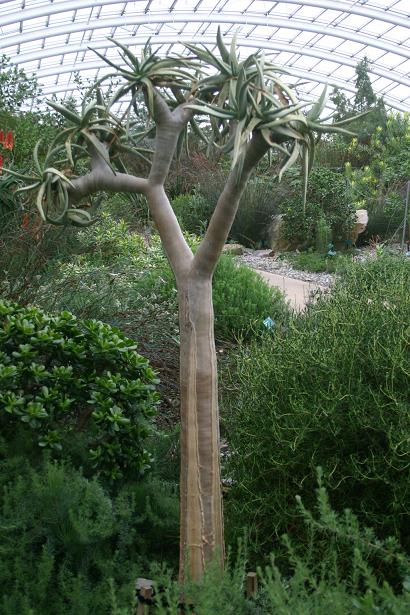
[200, 489]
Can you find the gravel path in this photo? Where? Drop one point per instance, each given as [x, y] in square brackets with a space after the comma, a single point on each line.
[280, 267]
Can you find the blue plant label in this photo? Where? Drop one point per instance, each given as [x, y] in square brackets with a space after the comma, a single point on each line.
[269, 323]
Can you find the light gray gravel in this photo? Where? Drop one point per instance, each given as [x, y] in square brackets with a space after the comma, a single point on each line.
[281, 267]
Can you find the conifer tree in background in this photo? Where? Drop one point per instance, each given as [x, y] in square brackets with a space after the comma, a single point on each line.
[365, 101]
[250, 111]
[365, 98]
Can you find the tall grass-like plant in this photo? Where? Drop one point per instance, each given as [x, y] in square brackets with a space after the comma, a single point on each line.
[332, 390]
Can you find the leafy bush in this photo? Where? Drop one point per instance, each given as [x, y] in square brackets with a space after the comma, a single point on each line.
[258, 204]
[128, 282]
[193, 212]
[242, 300]
[323, 236]
[332, 391]
[380, 186]
[312, 261]
[327, 200]
[64, 380]
[68, 544]
[7, 200]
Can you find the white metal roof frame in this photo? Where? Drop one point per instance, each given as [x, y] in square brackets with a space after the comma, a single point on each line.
[320, 41]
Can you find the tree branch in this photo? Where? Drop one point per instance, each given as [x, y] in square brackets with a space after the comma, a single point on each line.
[105, 180]
[210, 248]
[169, 125]
[177, 250]
[102, 177]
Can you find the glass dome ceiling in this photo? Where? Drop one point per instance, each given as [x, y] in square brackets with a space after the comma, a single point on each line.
[317, 41]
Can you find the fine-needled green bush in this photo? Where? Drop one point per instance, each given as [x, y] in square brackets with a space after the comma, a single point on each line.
[333, 390]
[242, 301]
[358, 574]
[193, 211]
[65, 381]
[67, 543]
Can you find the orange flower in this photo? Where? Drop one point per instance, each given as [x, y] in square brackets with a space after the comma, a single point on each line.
[8, 141]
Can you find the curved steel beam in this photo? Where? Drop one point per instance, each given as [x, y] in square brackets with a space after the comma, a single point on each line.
[237, 19]
[208, 40]
[391, 17]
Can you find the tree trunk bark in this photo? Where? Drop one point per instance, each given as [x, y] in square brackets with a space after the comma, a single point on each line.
[201, 532]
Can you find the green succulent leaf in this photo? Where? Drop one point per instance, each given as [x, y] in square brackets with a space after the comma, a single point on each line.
[69, 115]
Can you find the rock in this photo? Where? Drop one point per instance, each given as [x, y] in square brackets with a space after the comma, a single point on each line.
[233, 248]
[275, 234]
[362, 219]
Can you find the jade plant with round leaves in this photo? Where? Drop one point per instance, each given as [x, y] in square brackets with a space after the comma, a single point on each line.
[64, 380]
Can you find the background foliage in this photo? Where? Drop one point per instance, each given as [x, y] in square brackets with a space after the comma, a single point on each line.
[330, 391]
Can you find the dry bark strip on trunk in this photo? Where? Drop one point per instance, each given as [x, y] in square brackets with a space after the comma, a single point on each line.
[201, 537]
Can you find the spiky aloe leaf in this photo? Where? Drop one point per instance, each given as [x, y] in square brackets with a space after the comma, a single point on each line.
[80, 217]
[221, 46]
[98, 146]
[69, 115]
[20, 175]
[39, 200]
[133, 62]
[53, 172]
[318, 107]
[349, 120]
[209, 58]
[295, 154]
[330, 128]
[27, 188]
[206, 109]
[305, 174]
[232, 55]
[36, 158]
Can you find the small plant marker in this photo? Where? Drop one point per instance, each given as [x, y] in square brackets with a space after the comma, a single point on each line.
[144, 595]
[251, 584]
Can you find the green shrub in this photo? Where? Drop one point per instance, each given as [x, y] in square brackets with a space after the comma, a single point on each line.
[67, 543]
[312, 261]
[327, 199]
[193, 212]
[258, 204]
[323, 236]
[7, 201]
[242, 300]
[126, 281]
[63, 380]
[333, 391]
[352, 577]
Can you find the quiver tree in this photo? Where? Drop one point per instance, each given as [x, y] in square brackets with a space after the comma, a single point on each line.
[250, 113]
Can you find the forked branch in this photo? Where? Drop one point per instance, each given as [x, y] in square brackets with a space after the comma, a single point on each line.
[224, 214]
